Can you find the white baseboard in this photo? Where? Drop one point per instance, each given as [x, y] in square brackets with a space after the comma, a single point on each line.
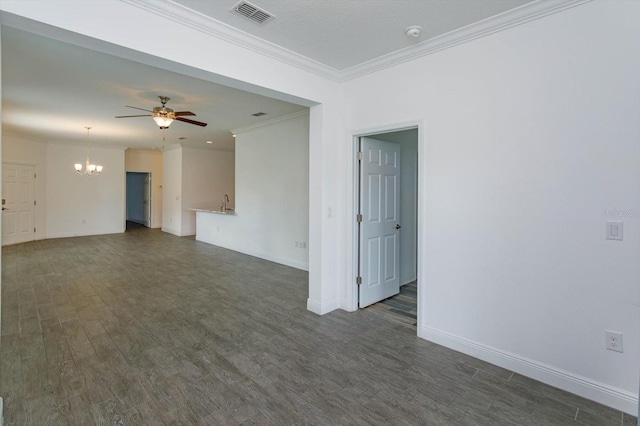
[266, 256]
[54, 235]
[599, 392]
[322, 308]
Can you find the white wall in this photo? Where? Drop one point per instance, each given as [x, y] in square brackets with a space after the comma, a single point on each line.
[68, 204]
[84, 205]
[146, 161]
[268, 73]
[530, 134]
[544, 96]
[16, 149]
[172, 191]
[194, 178]
[272, 194]
[207, 175]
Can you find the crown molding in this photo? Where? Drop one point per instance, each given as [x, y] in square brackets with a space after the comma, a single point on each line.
[509, 19]
[269, 122]
[200, 22]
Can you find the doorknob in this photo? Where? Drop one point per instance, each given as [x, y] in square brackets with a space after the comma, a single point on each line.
[398, 226]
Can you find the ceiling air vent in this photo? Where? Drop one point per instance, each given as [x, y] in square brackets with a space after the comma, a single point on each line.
[252, 12]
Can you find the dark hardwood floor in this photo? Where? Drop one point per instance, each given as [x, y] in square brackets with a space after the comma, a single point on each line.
[148, 328]
[401, 308]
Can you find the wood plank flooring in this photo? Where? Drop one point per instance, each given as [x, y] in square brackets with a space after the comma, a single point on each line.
[401, 308]
[145, 328]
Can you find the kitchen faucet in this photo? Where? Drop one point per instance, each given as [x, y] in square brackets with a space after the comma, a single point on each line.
[225, 200]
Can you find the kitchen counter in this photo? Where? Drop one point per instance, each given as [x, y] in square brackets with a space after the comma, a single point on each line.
[216, 211]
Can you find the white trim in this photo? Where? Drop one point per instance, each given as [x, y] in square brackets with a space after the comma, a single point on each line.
[266, 256]
[80, 234]
[269, 122]
[200, 22]
[171, 231]
[203, 23]
[321, 308]
[503, 21]
[83, 144]
[565, 380]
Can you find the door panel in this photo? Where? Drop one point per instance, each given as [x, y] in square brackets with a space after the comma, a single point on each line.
[380, 201]
[18, 215]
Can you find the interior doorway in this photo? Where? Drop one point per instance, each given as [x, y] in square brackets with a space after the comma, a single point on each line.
[18, 203]
[387, 199]
[138, 199]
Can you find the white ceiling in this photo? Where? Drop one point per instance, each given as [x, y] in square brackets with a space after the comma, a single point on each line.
[345, 33]
[51, 90]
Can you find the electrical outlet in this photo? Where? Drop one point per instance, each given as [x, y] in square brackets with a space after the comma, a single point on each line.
[303, 244]
[613, 341]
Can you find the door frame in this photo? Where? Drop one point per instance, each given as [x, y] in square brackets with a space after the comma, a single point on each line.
[351, 297]
[150, 175]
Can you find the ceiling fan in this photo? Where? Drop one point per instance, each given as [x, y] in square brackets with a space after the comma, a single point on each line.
[164, 116]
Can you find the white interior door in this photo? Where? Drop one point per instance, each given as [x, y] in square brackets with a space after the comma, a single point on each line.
[147, 200]
[380, 226]
[18, 212]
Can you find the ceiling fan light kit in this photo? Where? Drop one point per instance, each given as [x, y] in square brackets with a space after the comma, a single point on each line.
[164, 116]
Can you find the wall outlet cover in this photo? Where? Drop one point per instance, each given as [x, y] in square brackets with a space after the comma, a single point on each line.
[613, 341]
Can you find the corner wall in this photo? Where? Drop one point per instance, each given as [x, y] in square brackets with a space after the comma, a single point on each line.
[172, 191]
[207, 175]
[530, 145]
[68, 204]
[194, 178]
[272, 195]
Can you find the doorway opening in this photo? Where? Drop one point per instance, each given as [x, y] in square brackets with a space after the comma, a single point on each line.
[138, 207]
[386, 229]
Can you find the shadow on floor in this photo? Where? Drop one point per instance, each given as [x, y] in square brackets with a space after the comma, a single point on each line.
[402, 307]
[133, 226]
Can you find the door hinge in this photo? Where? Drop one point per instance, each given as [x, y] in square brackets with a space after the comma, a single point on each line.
[358, 280]
[34, 176]
[34, 202]
[359, 155]
[34, 229]
[358, 218]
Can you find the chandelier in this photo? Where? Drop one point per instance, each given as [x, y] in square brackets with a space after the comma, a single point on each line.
[89, 169]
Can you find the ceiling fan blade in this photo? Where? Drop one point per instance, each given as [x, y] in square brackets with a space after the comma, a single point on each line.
[129, 116]
[180, 113]
[141, 109]
[186, 120]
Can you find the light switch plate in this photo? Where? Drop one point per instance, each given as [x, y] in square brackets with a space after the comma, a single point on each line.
[614, 231]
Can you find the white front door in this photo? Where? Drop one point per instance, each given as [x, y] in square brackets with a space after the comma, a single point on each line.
[18, 209]
[380, 222]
